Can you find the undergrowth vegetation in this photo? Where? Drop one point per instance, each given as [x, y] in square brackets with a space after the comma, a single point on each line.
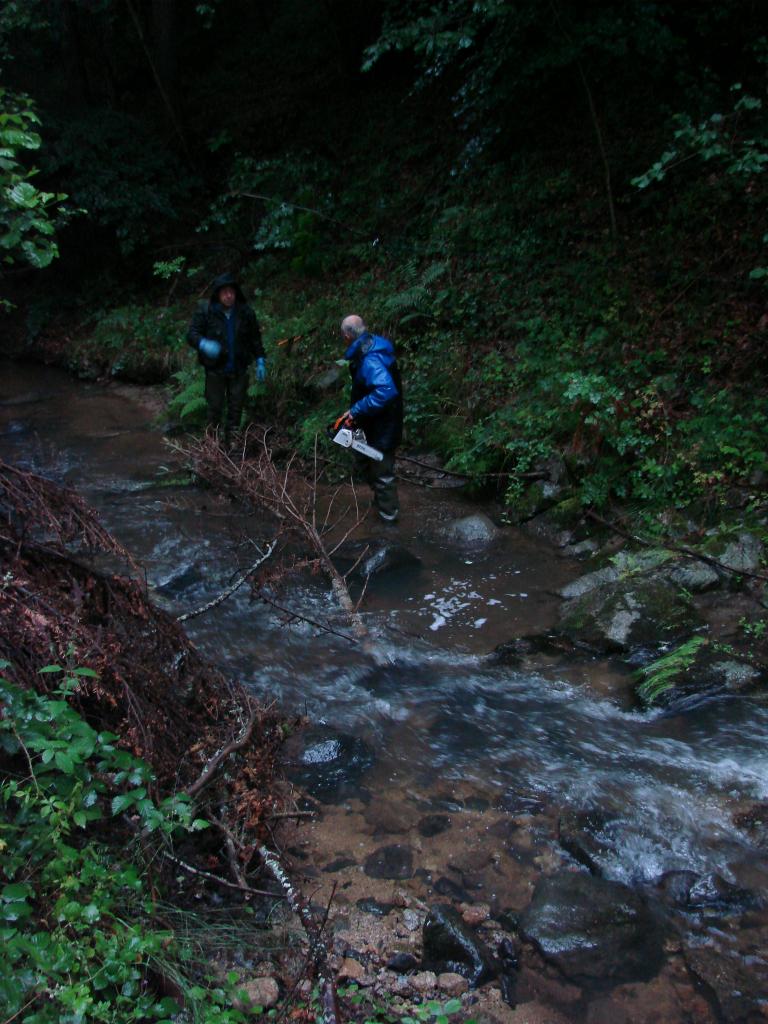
[79, 919]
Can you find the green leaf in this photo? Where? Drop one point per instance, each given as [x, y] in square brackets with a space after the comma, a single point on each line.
[121, 802]
[23, 195]
[64, 762]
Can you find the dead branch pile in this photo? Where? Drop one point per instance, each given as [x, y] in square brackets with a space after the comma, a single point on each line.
[153, 689]
[252, 475]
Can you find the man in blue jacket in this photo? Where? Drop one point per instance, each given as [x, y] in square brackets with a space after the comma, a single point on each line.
[376, 407]
[227, 338]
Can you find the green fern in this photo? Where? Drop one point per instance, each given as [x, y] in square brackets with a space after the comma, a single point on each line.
[662, 674]
[193, 408]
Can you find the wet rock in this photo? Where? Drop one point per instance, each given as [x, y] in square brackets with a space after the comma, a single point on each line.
[586, 836]
[448, 945]
[591, 581]
[540, 496]
[705, 675]
[402, 963]
[755, 822]
[636, 613]
[513, 652]
[389, 816]
[743, 554]
[412, 920]
[689, 891]
[424, 982]
[263, 992]
[395, 861]
[694, 576]
[469, 533]
[374, 557]
[446, 887]
[371, 906]
[339, 864]
[593, 929]
[475, 914]
[433, 824]
[452, 985]
[179, 580]
[350, 970]
[327, 765]
[582, 549]
[738, 983]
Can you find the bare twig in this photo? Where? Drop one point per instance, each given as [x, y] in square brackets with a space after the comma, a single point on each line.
[304, 618]
[263, 556]
[207, 773]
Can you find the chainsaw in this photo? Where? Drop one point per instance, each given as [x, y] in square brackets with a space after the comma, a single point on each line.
[354, 438]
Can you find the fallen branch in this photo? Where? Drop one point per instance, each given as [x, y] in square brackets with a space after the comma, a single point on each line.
[207, 773]
[221, 881]
[230, 590]
[304, 618]
[285, 493]
[328, 999]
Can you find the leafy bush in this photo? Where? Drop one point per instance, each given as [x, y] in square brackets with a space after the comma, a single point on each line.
[28, 215]
[76, 913]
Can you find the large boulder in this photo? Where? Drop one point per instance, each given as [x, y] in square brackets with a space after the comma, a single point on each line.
[593, 929]
[629, 613]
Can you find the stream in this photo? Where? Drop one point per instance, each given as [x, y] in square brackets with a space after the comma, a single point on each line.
[500, 753]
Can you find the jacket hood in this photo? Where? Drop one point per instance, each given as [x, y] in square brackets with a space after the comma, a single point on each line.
[368, 343]
[226, 279]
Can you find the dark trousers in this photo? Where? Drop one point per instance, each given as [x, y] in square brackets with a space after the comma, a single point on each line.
[381, 478]
[225, 389]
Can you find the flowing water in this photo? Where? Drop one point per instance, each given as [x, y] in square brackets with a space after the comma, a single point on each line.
[449, 729]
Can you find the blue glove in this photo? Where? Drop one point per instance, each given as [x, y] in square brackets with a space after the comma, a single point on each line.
[261, 370]
[209, 348]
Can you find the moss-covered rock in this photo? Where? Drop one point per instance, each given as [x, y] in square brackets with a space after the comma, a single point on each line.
[628, 614]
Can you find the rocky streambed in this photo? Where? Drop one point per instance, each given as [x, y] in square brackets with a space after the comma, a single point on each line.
[501, 810]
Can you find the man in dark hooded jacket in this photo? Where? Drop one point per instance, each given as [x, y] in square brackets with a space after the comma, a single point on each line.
[227, 338]
[377, 408]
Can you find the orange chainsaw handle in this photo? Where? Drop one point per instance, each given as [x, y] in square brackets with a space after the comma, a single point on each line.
[344, 420]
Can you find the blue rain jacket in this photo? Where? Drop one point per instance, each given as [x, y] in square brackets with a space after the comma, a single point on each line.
[377, 393]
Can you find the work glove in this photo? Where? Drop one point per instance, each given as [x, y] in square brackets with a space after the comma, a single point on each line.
[209, 348]
[261, 370]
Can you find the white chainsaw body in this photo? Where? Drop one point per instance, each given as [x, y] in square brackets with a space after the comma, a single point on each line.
[355, 439]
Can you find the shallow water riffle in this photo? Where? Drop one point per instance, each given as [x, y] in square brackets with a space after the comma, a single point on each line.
[492, 776]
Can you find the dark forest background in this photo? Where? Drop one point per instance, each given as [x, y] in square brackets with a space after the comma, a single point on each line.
[556, 210]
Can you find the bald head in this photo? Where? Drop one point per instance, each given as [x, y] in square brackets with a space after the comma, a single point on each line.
[352, 326]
